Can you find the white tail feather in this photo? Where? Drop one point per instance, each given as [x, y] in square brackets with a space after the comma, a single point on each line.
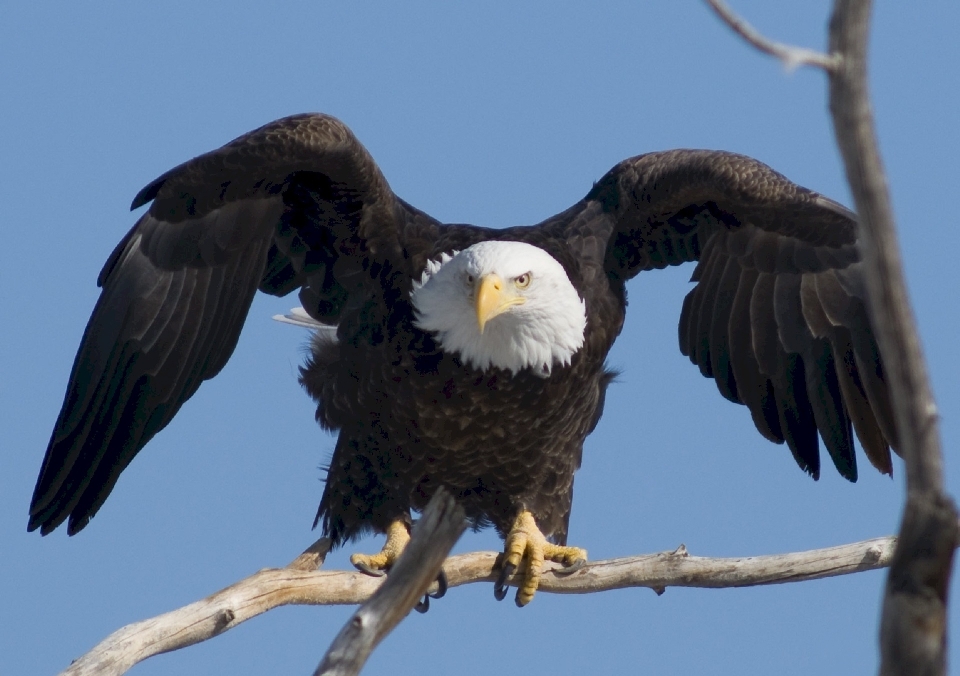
[299, 317]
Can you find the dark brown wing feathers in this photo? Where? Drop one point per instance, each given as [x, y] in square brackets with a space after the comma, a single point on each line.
[177, 289]
[777, 316]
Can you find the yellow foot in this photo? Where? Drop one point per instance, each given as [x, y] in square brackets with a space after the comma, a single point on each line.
[377, 564]
[526, 541]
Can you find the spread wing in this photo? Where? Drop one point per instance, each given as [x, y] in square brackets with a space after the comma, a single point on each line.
[286, 206]
[778, 316]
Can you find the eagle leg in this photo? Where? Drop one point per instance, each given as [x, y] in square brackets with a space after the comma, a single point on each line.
[525, 539]
[377, 565]
[398, 535]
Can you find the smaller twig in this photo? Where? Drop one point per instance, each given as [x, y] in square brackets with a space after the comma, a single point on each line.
[791, 56]
[313, 556]
[441, 525]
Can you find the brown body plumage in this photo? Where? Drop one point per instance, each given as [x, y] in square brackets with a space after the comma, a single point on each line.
[777, 318]
[412, 417]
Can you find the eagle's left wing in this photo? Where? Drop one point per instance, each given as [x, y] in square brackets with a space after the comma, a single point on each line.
[778, 316]
[297, 203]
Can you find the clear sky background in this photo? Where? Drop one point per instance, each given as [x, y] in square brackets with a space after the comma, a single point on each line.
[490, 113]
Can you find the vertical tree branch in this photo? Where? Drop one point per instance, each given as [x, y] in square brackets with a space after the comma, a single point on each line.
[913, 628]
[914, 622]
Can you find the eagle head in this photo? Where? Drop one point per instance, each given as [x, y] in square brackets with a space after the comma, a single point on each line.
[501, 304]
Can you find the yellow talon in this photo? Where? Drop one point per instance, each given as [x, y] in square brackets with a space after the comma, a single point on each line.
[526, 540]
[376, 564]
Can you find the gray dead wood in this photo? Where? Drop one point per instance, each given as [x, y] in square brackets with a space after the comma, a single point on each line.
[434, 535]
[199, 621]
[913, 626]
[271, 588]
[790, 55]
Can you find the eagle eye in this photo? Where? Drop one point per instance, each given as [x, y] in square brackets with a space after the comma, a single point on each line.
[523, 281]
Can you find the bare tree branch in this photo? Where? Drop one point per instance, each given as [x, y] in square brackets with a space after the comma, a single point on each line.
[915, 410]
[271, 588]
[433, 537]
[913, 628]
[791, 56]
[201, 620]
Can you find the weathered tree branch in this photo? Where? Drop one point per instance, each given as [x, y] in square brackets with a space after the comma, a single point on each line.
[274, 587]
[906, 373]
[433, 537]
[913, 628]
[790, 55]
[202, 619]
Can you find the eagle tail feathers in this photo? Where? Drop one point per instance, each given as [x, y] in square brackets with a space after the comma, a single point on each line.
[299, 317]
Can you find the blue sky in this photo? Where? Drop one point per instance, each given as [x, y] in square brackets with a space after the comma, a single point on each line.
[491, 113]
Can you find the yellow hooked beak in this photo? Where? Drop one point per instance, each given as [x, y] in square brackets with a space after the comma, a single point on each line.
[493, 298]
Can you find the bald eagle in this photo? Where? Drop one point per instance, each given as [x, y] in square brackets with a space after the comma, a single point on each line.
[462, 356]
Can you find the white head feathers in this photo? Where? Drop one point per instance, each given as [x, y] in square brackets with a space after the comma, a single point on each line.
[528, 314]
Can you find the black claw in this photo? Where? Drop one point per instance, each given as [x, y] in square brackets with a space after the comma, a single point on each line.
[516, 600]
[374, 572]
[500, 586]
[572, 568]
[423, 605]
[441, 586]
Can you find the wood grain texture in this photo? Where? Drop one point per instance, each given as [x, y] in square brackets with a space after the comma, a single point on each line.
[271, 588]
